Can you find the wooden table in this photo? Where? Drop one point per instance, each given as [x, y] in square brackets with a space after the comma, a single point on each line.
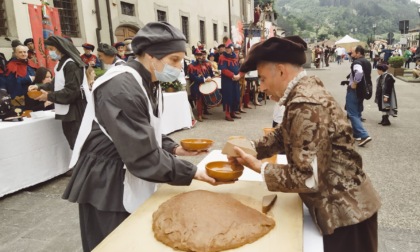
[136, 234]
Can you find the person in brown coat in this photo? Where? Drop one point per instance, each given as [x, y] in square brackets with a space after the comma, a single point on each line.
[323, 165]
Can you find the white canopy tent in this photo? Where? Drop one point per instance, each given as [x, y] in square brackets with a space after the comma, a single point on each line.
[347, 39]
[348, 42]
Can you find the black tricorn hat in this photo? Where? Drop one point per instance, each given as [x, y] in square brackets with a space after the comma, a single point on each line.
[282, 50]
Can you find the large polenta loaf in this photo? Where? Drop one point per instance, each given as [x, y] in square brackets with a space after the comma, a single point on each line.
[206, 221]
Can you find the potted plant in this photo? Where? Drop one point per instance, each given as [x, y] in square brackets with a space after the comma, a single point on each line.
[395, 64]
[174, 86]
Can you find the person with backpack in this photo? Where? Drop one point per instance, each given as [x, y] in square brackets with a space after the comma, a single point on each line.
[359, 88]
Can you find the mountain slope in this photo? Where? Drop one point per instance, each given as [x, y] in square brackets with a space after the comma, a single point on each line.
[336, 18]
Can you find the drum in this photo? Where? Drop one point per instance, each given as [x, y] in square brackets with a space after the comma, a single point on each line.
[218, 80]
[207, 88]
[211, 94]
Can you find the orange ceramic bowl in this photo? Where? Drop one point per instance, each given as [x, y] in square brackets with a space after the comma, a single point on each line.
[223, 171]
[34, 94]
[27, 113]
[196, 144]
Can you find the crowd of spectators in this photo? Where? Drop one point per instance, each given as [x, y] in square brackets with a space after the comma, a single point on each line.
[23, 69]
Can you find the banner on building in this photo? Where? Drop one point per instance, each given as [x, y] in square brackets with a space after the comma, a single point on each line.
[45, 21]
[238, 33]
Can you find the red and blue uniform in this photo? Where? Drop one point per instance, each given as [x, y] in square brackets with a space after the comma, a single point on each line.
[198, 73]
[91, 57]
[229, 65]
[17, 78]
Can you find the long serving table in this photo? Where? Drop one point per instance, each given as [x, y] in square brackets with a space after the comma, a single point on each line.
[35, 150]
[31, 152]
[294, 231]
[176, 112]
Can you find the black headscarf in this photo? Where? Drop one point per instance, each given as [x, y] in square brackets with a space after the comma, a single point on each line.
[66, 48]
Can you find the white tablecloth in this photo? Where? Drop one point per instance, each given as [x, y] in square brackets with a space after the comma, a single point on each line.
[312, 239]
[31, 152]
[176, 112]
[35, 150]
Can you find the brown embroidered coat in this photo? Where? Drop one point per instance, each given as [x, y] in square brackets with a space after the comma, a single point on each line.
[314, 125]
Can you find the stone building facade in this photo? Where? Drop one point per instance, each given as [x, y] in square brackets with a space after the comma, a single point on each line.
[110, 21]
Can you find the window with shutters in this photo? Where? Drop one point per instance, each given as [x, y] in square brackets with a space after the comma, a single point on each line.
[202, 31]
[185, 27]
[68, 17]
[215, 35]
[127, 9]
[161, 15]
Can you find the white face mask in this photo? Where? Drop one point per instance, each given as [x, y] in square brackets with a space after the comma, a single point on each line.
[168, 74]
[54, 55]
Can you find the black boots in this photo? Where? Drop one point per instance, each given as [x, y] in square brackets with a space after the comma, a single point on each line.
[382, 120]
[385, 121]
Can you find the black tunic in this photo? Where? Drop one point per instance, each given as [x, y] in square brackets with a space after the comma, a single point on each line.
[384, 87]
[122, 109]
[71, 93]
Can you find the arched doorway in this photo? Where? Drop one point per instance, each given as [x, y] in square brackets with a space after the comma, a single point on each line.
[125, 31]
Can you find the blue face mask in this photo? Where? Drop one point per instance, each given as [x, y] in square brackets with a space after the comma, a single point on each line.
[54, 55]
[168, 74]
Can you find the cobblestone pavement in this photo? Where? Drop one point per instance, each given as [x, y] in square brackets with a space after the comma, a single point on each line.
[37, 219]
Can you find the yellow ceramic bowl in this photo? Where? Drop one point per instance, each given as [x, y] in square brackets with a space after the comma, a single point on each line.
[196, 144]
[34, 94]
[223, 171]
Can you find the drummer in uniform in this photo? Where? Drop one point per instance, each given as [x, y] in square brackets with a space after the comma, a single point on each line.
[199, 72]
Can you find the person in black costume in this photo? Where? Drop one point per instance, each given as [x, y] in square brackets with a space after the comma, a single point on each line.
[65, 91]
[385, 95]
[120, 142]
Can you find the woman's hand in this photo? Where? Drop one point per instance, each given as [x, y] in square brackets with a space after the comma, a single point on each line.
[32, 87]
[43, 97]
[202, 176]
[179, 151]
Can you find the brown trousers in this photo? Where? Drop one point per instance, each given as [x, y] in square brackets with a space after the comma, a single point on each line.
[361, 237]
